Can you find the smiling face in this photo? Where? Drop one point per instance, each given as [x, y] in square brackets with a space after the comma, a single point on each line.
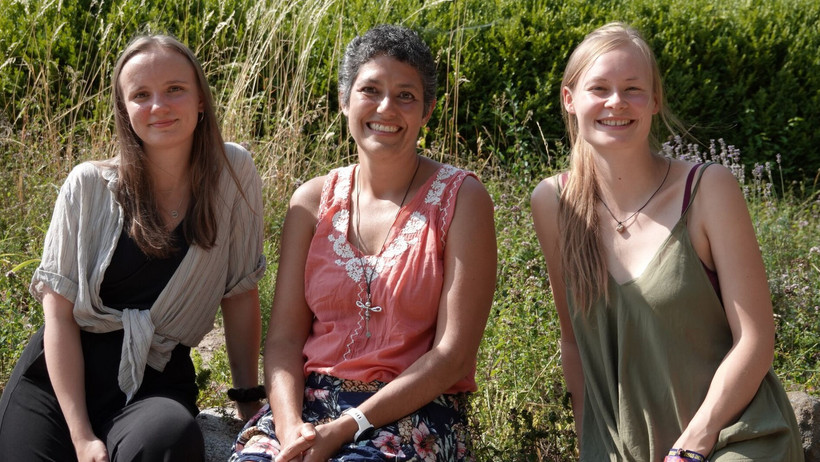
[613, 101]
[161, 95]
[386, 107]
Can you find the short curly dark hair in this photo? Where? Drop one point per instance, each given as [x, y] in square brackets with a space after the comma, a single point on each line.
[397, 42]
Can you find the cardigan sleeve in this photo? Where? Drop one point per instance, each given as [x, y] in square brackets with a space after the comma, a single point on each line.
[59, 265]
[246, 262]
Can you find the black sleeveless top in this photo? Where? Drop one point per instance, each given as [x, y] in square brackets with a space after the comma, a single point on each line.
[134, 281]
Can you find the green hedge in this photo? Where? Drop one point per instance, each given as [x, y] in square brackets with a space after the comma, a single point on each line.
[739, 70]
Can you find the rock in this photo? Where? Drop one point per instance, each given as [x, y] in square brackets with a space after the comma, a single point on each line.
[807, 411]
[219, 427]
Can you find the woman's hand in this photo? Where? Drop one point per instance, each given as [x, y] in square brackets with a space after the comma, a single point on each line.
[318, 444]
[295, 442]
[91, 450]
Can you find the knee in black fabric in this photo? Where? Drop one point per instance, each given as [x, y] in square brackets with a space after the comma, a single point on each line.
[32, 426]
[152, 430]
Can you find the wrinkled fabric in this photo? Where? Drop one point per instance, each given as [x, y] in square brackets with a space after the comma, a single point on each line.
[81, 239]
[648, 359]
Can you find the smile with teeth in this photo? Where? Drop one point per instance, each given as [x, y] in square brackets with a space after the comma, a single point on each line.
[383, 128]
[615, 123]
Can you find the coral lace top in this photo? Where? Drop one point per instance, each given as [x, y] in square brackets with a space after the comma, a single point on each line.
[406, 281]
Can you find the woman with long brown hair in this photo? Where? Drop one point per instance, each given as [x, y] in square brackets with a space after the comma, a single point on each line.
[667, 333]
[141, 251]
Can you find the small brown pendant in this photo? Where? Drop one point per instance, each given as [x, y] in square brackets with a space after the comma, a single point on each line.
[620, 228]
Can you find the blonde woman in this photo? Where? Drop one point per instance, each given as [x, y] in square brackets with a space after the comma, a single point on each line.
[666, 322]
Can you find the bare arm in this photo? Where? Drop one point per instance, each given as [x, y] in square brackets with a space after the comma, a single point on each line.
[291, 318]
[469, 282]
[66, 369]
[243, 333]
[723, 235]
[544, 204]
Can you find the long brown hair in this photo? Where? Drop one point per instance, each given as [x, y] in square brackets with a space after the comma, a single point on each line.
[581, 250]
[135, 192]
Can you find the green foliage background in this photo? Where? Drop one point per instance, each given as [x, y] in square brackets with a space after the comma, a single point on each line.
[738, 70]
[734, 70]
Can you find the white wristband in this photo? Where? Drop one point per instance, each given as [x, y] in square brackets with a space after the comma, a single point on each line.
[365, 427]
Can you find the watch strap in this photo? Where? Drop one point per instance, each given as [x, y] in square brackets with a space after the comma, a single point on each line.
[364, 425]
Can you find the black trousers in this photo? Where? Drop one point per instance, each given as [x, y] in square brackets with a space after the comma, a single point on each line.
[151, 428]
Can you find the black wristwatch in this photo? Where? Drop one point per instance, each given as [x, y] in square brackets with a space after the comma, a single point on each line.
[365, 431]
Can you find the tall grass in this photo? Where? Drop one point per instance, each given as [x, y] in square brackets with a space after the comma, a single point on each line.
[267, 64]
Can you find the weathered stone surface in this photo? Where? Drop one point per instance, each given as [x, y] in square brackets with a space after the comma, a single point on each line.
[219, 428]
[807, 411]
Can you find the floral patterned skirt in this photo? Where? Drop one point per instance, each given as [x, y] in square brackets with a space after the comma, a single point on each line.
[437, 432]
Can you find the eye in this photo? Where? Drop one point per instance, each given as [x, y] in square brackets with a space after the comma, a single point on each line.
[139, 95]
[368, 90]
[175, 88]
[407, 96]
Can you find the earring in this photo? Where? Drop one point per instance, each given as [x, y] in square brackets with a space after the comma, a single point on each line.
[201, 117]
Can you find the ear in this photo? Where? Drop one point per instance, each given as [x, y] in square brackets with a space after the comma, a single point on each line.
[426, 118]
[201, 105]
[566, 97]
[655, 106]
[343, 104]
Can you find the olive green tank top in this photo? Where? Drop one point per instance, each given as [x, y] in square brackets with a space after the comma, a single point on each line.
[648, 359]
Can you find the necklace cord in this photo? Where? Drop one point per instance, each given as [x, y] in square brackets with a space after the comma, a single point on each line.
[621, 227]
[362, 248]
[368, 271]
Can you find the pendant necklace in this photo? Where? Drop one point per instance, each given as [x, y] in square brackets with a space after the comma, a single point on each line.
[369, 271]
[621, 227]
[175, 211]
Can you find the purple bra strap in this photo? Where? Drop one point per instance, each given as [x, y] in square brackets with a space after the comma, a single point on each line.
[687, 192]
[687, 195]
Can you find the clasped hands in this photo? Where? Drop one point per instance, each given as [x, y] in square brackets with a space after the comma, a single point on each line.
[309, 443]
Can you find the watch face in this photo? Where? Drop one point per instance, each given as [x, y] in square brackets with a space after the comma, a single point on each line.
[366, 434]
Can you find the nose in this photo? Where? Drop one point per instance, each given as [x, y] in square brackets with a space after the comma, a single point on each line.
[158, 103]
[386, 104]
[615, 100]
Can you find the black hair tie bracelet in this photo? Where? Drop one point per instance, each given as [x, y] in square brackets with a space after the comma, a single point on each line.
[246, 395]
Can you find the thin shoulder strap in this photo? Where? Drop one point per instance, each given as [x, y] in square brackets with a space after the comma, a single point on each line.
[690, 192]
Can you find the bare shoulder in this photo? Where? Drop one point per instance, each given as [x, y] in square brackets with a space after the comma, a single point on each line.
[718, 190]
[308, 195]
[716, 175]
[544, 198]
[474, 207]
[473, 189]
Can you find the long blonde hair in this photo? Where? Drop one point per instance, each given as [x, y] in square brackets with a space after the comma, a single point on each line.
[581, 249]
[135, 193]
